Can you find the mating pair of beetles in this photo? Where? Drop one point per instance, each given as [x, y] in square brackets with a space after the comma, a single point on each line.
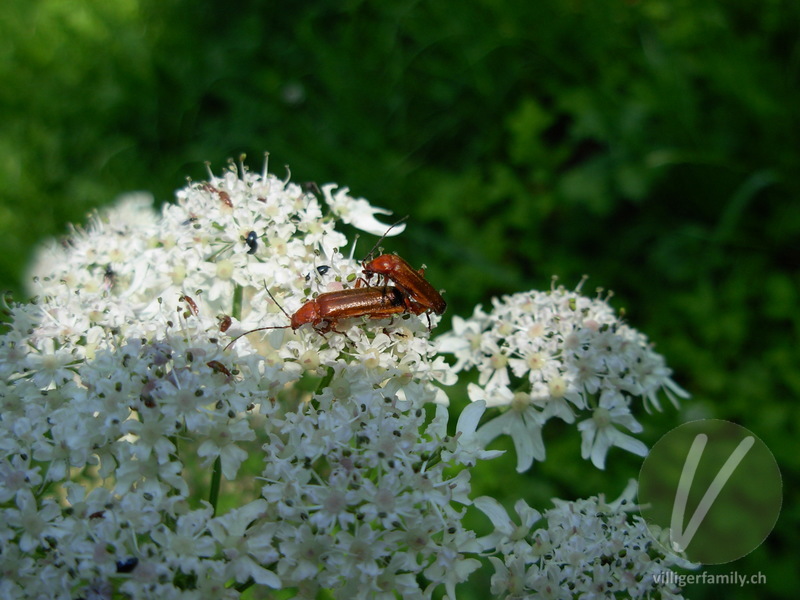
[411, 293]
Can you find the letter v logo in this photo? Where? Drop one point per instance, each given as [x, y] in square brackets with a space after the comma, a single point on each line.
[681, 539]
[710, 491]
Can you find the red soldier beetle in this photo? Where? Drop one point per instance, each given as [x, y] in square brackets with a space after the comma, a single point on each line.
[326, 310]
[421, 296]
[413, 284]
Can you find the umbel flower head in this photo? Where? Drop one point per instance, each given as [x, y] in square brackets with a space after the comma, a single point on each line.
[123, 408]
[557, 353]
[584, 549]
[145, 455]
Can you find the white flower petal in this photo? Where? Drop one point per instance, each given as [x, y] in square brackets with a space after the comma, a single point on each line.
[470, 417]
[496, 513]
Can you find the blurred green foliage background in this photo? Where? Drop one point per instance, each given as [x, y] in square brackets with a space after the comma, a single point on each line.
[653, 145]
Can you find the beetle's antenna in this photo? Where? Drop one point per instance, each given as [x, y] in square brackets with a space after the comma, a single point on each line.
[229, 344]
[266, 289]
[263, 328]
[375, 247]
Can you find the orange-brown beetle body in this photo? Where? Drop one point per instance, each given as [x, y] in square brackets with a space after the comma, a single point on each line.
[411, 282]
[324, 311]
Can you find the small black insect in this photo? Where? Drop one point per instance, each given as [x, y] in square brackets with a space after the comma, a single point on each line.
[321, 270]
[109, 277]
[252, 242]
[311, 187]
[127, 565]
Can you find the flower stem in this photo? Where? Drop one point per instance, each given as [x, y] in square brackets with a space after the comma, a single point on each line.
[216, 477]
[243, 586]
[236, 309]
[326, 381]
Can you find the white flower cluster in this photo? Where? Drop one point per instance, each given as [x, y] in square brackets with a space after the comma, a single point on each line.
[150, 447]
[122, 407]
[359, 501]
[557, 354]
[586, 549]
